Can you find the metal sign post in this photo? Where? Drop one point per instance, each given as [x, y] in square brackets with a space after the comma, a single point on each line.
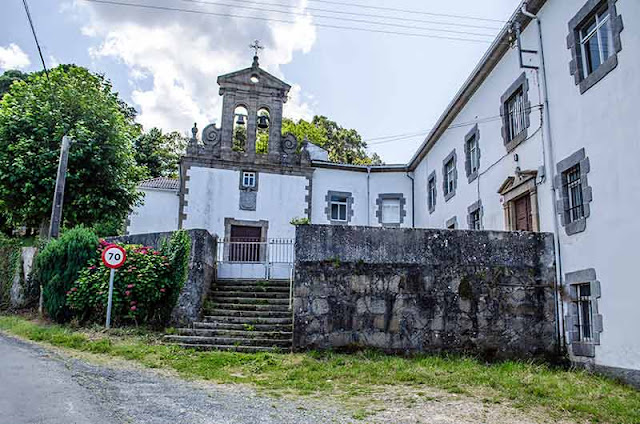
[113, 256]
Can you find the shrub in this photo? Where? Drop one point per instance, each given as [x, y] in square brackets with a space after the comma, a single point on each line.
[9, 262]
[57, 265]
[145, 289]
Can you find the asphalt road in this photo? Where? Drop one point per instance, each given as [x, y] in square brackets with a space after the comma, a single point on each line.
[40, 386]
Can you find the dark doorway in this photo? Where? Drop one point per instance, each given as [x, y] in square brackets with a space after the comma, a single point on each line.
[523, 213]
[245, 243]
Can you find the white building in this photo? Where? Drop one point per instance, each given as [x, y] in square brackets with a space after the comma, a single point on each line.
[543, 136]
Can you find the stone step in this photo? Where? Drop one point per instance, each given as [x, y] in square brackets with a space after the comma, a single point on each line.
[249, 300]
[229, 341]
[213, 313]
[247, 288]
[251, 294]
[244, 349]
[252, 307]
[247, 334]
[248, 320]
[288, 327]
[252, 283]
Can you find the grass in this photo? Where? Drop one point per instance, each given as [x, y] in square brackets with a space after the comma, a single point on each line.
[563, 393]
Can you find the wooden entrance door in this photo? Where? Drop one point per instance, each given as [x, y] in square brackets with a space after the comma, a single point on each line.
[523, 213]
[245, 243]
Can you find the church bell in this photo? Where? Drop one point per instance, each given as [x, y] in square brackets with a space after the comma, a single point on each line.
[263, 122]
[240, 120]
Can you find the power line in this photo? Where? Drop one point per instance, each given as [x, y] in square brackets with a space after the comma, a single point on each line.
[417, 12]
[367, 15]
[35, 37]
[398, 137]
[360, 21]
[229, 15]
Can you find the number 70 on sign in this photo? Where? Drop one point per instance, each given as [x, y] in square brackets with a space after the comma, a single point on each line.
[113, 256]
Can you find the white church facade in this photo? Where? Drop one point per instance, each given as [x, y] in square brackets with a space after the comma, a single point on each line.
[543, 136]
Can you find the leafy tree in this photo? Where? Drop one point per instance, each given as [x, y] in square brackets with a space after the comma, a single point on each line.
[159, 153]
[8, 77]
[102, 175]
[344, 145]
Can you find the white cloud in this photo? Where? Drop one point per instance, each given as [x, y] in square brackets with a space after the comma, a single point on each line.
[12, 57]
[174, 58]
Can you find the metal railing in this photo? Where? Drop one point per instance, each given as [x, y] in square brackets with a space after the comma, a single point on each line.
[251, 259]
[274, 251]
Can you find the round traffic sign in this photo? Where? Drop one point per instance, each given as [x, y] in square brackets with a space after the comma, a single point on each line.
[113, 256]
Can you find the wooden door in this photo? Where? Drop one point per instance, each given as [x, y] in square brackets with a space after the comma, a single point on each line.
[245, 243]
[523, 213]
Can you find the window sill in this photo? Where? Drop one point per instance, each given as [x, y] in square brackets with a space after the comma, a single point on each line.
[472, 176]
[449, 195]
[587, 349]
[516, 141]
[602, 71]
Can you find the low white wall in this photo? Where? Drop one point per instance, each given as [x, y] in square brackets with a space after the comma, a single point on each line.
[158, 213]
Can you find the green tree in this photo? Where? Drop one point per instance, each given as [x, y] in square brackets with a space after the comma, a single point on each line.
[102, 175]
[344, 145]
[8, 77]
[159, 153]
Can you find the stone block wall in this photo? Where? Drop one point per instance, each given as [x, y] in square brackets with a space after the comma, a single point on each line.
[412, 290]
[201, 270]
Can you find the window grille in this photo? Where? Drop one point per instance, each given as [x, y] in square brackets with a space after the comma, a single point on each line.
[583, 304]
[573, 191]
[516, 114]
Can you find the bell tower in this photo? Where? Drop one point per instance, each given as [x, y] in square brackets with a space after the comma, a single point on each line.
[251, 125]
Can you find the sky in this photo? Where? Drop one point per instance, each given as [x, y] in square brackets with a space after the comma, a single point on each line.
[165, 62]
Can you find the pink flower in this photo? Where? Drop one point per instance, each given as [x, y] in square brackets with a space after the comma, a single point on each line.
[162, 290]
[127, 293]
[133, 302]
[156, 253]
[133, 308]
[69, 292]
[100, 293]
[130, 286]
[74, 289]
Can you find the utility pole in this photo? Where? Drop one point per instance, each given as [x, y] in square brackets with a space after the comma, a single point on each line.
[58, 196]
[58, 200]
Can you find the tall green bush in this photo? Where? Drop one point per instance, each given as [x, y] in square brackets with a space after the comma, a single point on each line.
[9, 263]
[146, 287]
[57, 267]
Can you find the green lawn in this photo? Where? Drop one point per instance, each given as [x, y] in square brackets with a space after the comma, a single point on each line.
[564, 394]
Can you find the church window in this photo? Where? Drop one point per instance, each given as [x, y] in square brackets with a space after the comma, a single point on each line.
[249, 179]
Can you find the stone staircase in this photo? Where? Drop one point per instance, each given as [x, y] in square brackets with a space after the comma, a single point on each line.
[242, 316]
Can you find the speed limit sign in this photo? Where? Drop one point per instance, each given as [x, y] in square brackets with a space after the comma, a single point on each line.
[113, 256]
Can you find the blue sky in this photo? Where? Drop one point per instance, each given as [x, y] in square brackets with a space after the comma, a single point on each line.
[165, 63]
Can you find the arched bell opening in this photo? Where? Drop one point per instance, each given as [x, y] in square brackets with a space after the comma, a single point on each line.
[240, 119]
[263, 126]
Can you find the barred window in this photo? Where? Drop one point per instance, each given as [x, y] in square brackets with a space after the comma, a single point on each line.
[573, 192]
[516, 118]
[584, 313]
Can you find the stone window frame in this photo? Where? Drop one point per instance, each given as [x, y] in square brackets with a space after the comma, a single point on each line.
[576, 67]
[432, 205]
[572, 281]
[474, 133]
[522, 82]
[241, 184]
[391, 196]
[453, 221]
[475, 207]
[445, 187]
[327, 209]
[578, 225]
